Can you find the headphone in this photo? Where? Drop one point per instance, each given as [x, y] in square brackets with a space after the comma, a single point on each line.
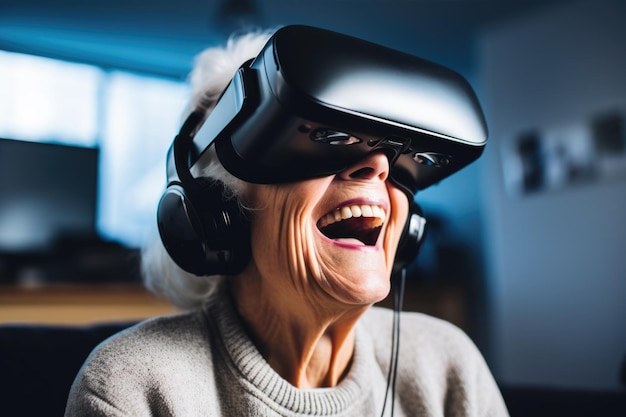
[206, 232]
[203, 231]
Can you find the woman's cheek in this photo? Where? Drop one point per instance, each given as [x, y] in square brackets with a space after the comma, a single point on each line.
[281, 245]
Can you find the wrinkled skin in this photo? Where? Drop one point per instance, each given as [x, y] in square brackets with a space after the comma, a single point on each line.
[303, 292]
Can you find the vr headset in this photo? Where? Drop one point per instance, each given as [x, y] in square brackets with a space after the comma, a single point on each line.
[312, 103]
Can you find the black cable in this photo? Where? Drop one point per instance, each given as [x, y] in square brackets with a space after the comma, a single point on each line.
[398, 297]
[398, 301]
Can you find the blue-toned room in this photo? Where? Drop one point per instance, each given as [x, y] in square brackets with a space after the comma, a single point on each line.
[348, 207]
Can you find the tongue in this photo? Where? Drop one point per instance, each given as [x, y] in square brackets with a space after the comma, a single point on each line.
[359, 230]
[350, 240]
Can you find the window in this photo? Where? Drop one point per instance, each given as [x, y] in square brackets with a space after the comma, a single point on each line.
[142, 117]
[131, 118]
[48, 100]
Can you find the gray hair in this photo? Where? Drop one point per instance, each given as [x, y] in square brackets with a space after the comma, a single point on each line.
[212, 71]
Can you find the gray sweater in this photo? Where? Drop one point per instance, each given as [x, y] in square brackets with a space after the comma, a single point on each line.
[203, 363]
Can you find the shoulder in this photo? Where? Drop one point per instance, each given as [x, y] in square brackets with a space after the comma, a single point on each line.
[438, 360]
[132, 369]
[157, 333]
[147, 350]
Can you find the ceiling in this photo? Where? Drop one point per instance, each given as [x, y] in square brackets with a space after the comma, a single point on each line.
[162, 37]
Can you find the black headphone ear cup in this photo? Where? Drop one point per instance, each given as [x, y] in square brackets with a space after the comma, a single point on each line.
[411, 239]
[226, 230]
[201, 231]
[179, 227]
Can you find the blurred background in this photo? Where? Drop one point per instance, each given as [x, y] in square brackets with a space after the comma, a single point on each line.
[526, 248]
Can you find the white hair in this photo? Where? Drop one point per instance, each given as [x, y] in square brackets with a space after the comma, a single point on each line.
[212, 71]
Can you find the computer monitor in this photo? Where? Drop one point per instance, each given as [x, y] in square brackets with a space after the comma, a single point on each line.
[47, 192]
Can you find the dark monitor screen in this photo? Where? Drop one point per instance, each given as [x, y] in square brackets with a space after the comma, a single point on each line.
[47, 192]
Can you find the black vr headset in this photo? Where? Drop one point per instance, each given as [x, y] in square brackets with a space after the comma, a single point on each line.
[311, 104]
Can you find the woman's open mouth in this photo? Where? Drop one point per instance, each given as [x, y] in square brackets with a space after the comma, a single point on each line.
[360, 222]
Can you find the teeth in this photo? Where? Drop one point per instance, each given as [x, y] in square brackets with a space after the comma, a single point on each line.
[347, 212]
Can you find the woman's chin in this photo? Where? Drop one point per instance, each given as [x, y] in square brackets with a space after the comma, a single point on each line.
[356, 276]
[362, 290]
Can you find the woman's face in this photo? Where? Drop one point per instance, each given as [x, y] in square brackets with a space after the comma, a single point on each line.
[330, 238]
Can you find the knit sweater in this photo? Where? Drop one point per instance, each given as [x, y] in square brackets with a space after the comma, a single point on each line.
[202, 363]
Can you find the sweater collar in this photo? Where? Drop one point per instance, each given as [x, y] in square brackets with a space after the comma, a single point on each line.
[355, 390]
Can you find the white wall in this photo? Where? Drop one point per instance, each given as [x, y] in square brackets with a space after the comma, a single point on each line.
[557, 258]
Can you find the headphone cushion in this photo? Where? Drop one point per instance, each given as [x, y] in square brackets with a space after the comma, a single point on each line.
[411, 239]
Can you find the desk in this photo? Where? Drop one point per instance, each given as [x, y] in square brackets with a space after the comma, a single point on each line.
[79, 304]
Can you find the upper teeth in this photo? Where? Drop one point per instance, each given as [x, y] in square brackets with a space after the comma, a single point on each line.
[356, 210]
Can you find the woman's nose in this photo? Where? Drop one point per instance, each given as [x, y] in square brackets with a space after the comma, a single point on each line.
[373, 166]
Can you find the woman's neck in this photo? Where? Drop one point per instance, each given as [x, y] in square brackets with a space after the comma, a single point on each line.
[308, 344]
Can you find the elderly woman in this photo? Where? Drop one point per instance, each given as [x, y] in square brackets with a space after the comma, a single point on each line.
[280, 319]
